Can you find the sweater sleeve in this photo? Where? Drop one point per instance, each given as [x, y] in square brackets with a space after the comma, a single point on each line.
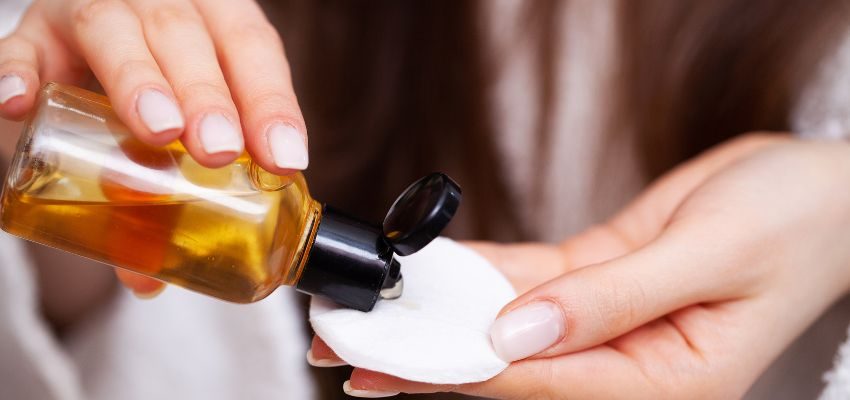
[824, 108]
[823, 112]
[838, 379]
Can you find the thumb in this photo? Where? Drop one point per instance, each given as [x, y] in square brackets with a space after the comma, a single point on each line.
[592, 305]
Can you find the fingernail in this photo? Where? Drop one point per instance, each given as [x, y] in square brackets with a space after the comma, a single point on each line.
[11, 86]
[527, 330]
[287, 147]
[366, 394]
[158, 112]
[218, 135]
[323, 363]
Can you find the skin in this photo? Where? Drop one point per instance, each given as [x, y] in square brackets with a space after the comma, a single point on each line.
[208, 56]
[689, 292]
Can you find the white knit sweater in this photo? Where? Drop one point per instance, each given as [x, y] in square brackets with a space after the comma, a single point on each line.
[824, 112]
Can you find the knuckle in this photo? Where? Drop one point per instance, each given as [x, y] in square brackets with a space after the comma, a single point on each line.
[130, 69]
[16, 65]
[14, 44]
[672, 385]
[91, 11]
[548, 386]
[171, 17]
[254, 33]
[618, 304]
[17, 48]
[694, 379]
[271, 101]
[203, 89]
[702, 388]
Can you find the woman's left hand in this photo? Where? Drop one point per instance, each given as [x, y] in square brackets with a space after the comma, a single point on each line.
[690, 292]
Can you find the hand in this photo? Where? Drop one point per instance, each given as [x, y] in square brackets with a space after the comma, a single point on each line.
[690, 292]
[205, 71]
[211, 73]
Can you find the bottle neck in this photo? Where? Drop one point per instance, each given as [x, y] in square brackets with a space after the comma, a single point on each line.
[312, 219]
[349, 262]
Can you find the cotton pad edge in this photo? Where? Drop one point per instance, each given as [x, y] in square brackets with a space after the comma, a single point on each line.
[412, 340]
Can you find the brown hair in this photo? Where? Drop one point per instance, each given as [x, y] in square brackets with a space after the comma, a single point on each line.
[696, 73]
[393, 89]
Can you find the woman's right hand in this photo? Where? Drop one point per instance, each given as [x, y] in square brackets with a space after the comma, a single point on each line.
[211, 73]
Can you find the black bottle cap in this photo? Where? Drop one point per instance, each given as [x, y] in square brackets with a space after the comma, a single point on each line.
[352, 262]
[421, 213]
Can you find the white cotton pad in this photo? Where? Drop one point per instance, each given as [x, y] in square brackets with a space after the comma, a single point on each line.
[437, 332]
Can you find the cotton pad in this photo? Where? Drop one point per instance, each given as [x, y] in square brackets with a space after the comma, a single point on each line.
[437, 332]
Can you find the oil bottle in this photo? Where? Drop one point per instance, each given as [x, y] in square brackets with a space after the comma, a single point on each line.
[80, 182]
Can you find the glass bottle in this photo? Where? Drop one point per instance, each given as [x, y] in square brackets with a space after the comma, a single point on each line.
[81, 182]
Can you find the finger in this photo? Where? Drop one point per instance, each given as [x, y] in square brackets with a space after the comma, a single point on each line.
[592, 305]
[623, 293]
[371, 384]
[109, 36]
[34, 54]
[19, 68]
[597, 373]
[18, 77]
[594, 245]
[320, 355]
[183, 48]
[56, 60]
[525, 265]
[252, 56]
[141, 285]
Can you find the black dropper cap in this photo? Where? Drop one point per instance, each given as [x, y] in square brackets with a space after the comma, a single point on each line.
[353, 262]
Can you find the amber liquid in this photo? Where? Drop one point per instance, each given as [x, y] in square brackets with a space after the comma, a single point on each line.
[234, 244]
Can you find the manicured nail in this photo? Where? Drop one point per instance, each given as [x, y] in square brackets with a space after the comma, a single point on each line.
[218, 135]
[158, 112]
[366, 394]
[11, 86]
[323, 363]
[527, 330]
[287, 147]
